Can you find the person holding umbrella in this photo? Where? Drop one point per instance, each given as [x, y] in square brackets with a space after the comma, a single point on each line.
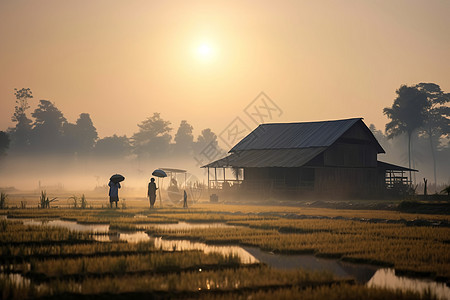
[151, 192]
[160, 174]
[114, 186]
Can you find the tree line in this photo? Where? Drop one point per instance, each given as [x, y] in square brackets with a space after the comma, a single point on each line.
[49, 132]
[420, 112]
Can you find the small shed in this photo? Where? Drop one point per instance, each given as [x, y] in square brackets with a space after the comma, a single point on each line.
[326, 158]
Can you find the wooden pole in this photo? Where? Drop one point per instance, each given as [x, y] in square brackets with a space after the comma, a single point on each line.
[208, 184]
[215, 177]
[160, 200]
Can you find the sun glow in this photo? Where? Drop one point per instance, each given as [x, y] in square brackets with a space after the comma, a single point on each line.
[205, 52]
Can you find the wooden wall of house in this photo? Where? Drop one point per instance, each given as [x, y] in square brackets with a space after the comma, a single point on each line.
[359, 132]
[287, 177]
[351, 182]
[355, 148]
[350, 155]
[334, 182]
[256, 174]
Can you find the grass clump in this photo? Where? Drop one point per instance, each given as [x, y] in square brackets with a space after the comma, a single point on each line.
[3, 197]
[45, 201]
[80, 202]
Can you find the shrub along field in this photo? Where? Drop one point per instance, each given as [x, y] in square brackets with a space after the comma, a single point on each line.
[55, 262]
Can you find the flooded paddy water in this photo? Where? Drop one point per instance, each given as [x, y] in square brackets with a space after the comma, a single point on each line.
[370, 275]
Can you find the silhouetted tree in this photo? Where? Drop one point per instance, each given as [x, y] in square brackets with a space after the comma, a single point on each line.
[47, 130]
[407, 114]
[184, 139]
[207, 139]
[4, 142]
[153, 138]
[81, 136]
[117, 146]
[437, 122]
[20, 134]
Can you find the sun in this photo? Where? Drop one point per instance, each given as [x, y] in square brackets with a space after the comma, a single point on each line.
[205, 52]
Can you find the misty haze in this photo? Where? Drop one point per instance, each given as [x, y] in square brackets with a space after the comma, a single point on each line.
[224, 150]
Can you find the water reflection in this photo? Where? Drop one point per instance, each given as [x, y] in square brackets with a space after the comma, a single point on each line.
[386, 278]
[182, 245]
[185, 226]
[129, 237]
[72, 225]
[362, 273]
[179, 245]
[16, 279]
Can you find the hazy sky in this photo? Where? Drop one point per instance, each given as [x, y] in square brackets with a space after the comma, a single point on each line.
[205, 61]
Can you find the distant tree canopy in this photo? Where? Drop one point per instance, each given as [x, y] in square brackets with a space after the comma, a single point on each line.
[20, 133]
[81, 136]
[437, 121]
[422, 108]
[4, 142]
[22, 97]
[408, 113]
[184, 139]
[153, 137]
[49, 132]
[113, 146]
[207, 139]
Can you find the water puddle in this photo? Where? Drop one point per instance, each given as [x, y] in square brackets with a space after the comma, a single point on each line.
[72, 225]
[15, 279]
[183, 245]
[180, 245]
[185, 226]
[386, 278]
[19, 281]
[129, 237]
[362, 273]
[104, 228]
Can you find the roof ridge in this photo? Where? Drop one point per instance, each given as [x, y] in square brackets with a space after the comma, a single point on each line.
[327, 121]
[292, 148]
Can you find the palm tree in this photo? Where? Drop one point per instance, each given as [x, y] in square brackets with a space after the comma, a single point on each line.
[407, 114]
[437, 123]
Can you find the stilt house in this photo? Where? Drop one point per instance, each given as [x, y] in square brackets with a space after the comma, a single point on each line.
[328, 158]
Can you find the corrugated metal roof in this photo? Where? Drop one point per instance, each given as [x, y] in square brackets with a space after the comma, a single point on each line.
[267, 158]
[287, 144]
[388, 166]
[295, 135]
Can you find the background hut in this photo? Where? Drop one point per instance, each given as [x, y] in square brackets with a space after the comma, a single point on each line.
[327, 158]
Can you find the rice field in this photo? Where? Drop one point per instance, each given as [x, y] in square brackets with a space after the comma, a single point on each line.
[47, 261]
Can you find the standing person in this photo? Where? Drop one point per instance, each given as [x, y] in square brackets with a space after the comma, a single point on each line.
[113, 192]
[151, 192]
[185, 205]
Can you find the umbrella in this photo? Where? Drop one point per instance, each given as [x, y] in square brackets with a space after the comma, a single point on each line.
[159, 173]
[117, 178]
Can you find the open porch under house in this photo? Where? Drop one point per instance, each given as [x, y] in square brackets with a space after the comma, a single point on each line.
[226, 179]
[396, 177]
[223, 178]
